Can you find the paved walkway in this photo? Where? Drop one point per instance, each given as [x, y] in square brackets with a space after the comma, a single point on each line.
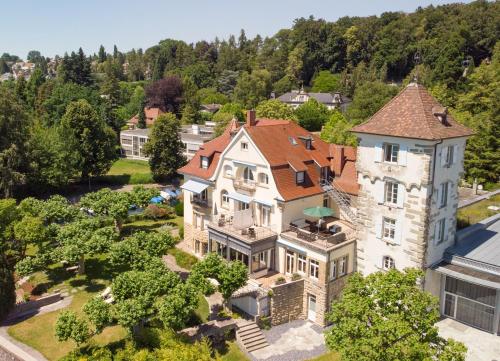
[294, 341]
[215, 302]
[481, 346]
[467, 197]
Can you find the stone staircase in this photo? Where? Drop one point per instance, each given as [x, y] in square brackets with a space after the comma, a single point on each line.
[250, 336]
[340, 197]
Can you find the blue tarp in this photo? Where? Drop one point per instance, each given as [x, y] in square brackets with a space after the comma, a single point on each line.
[158, 199]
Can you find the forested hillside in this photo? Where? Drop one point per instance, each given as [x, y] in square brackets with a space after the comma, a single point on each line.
[61, 128]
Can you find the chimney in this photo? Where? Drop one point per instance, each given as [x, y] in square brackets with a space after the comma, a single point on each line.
[251, 118]
[338, 160]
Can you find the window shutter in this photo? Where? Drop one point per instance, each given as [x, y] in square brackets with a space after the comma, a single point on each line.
[380, 191]
[436, 233]
[403, 150]
[455, 154]
[443, 156]
[378, 152]
[378, 228]
[401, 195]
[398, 231]
[445, 232]
[438, 199]
[448, 198]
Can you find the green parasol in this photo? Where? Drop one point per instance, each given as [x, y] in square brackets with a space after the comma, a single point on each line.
[318, 212]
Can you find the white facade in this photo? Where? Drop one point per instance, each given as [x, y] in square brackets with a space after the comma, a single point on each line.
[408, 200]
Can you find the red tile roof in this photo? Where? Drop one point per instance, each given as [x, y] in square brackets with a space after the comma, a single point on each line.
[413, 113]
[151, 115]
[212, 150]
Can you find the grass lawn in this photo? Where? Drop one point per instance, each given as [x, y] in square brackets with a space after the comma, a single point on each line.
[128, 171]
[150, 224]
[477, 212]
[38, 332]
[330, 356]
[232, 352]
[183, 259]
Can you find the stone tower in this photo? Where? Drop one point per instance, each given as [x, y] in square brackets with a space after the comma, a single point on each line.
[409, 162]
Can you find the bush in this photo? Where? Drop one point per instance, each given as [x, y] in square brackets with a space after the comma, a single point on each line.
[154, 211]
[179, 209]
[280, 280]
[181, 232]
[296, 277]
[183, 259]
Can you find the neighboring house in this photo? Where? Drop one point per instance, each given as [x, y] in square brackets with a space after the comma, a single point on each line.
[5, 77]
[22, 68]
[210, 108]
[245, 193]
[469, 276]
[132, 141]
[296, 98]
[151, 115]
[192, 136]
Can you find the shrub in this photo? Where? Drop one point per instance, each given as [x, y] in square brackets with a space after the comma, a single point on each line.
[296, 277]
[179, 209]
[280, 280]
[154, 212]
[181, 232]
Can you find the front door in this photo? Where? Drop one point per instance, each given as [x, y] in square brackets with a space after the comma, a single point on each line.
[311, 310]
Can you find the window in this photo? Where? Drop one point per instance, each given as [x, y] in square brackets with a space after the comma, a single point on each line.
[126, 141]
[198, 221]
[301, 263]
[243, 206]
[391, 192]
[387, 262]
[308, 143]
[314, 269]
[265, 215]
[443, 194]
[388, 228]
[300, 177]
[391, 153]
[228, 171]
[342, 266]
[325, 201]
[224, 199]
[142, 141]
[290, 260]
[449, 156]
[333, 269]
[263, 178]
[244, 146]
[440, 231]
[247, 175]
[204, 162]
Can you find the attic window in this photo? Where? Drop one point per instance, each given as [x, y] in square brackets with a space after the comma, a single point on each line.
[307, 142]
[441, 113]
[205, 162]
[292, 140]
[300, 177]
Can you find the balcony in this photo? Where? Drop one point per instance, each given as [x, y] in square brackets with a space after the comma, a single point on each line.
[244, 184]
[200, 202]
[333, 233]
[249, 234]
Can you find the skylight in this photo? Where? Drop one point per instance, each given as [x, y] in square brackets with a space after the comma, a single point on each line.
[292, 140]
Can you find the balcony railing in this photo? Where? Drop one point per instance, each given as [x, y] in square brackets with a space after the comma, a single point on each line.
[244, 184]
[200, 202]
[225, 223]
[309, 236]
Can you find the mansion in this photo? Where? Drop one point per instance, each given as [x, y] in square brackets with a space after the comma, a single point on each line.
[393, 203]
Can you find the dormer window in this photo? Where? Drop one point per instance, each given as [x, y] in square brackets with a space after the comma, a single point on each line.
[308, 144]
[391, 153]
[300, 177]
[205, 162]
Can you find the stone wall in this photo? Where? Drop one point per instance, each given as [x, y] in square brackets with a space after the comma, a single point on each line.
[35, 305]
[287, 302]
[320, 291]
[191, 234]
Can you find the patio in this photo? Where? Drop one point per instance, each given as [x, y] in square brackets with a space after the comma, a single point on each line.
[481, 345]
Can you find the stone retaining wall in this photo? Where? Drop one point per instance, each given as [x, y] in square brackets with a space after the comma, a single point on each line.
[287, 302]
[34, 305]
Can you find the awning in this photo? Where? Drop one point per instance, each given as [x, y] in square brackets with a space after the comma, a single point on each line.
[264, 203]
[250, 165]
[194, 186]
[240, 197]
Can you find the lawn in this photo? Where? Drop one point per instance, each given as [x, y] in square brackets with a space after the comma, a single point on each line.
[477, 212]
[232, 352]
[38, 331]
[330, 356]
[150, 224]
[183, 259]
[128, 171]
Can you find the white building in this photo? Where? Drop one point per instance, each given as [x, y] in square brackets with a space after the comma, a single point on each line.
[296, 98]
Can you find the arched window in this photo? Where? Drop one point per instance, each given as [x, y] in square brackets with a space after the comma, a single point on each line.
[224, 199]
[228, 170]
[387, 263]
[247, 174]
[263, 178]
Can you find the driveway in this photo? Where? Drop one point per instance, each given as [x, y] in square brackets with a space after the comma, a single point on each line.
[481, 346]
[294, 341]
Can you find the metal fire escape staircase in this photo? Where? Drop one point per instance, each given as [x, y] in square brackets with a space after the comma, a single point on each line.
[341, 198]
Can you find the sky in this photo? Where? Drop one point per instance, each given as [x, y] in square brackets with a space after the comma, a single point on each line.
[56, 26]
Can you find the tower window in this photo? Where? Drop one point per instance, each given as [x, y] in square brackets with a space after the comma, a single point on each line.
[391, 192]
[387, 262]
[391, 153]
[389, 228]
[443, 194]
[440, 231]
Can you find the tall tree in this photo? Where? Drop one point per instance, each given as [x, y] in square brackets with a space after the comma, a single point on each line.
[90, 138]
[164, 147]
[165, 94]
[252, 88]
[102, 54]
[274, 109]
[312, 115]
[141, 117]
[376, 320]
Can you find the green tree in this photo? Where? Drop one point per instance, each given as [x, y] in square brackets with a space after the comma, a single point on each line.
[108, 203]
[69, 327]
[326, 82]
[368, 98]
[164, 147]
[211, 96]
[99, 313]
[374, 320]
[274, 109]
[102, 54]
[141, 117]
[7, 287]
[337, 130]
[87, 135]
[284, 85]
[176, 308]
[252, 88]
[312, 115]
[28, 231]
